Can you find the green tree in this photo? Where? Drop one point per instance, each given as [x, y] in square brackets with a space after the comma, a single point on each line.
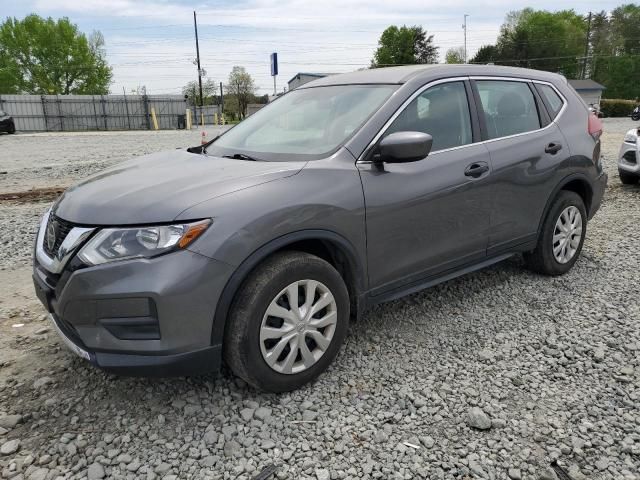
[543, 40]
[485, 54]
[619, 74]
[404, 46]
[241, 86]
[44, 56]
[425, 50]
[454, 55]
[625, 29]
[615, 51]
[209, 92]
[600, 38]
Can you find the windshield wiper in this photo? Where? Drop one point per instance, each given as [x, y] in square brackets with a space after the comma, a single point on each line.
[242, 156]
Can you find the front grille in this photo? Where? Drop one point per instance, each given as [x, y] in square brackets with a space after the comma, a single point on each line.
[630, 157]
[60, 229]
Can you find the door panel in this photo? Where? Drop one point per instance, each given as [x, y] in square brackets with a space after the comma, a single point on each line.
[524, 158]
[524, 177]
[425, 217]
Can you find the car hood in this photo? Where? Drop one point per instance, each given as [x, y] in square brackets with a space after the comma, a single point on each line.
[157, 188]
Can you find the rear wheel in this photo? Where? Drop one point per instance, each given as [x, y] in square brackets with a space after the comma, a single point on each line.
[628, 178]
[563, 232]
[287, 322]
[12, 128]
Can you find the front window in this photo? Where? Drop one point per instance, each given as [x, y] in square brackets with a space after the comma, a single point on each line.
[304, 124]
[441, 111]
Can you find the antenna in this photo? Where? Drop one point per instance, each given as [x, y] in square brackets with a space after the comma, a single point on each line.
[464, 27]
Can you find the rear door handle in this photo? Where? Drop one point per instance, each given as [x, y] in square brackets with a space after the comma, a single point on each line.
[553, 148]
[476, 169]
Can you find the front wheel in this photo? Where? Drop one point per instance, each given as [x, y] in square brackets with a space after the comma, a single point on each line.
[12, 128]
[627, 178]
[287, 322]
[562, 235]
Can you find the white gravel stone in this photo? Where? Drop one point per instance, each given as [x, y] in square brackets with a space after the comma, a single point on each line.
[95, 471]
[38, 474]
[12, 446]
[247, 414]
[10, 421]
[262, 413]
[322, 474]
[476, 418]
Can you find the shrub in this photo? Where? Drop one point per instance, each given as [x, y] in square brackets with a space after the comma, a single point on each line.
[612, 107]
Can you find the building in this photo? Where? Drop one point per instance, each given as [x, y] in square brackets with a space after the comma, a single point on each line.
[590, 91]
[302, 78]
[253, 108]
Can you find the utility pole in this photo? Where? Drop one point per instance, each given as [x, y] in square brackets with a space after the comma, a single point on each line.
[464, 27]
[586, 48]
[195, 26]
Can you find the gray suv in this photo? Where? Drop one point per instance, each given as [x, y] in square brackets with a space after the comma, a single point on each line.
[352, 190]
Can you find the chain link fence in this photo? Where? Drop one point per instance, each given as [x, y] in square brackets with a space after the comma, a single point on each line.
[71, 113]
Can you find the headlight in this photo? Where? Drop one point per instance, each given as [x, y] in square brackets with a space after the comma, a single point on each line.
[631, 137]
[111, 244]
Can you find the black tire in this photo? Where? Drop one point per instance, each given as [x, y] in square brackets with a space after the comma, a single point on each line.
[12, 128]
[627, 178]
[242, 348]
[542, 259]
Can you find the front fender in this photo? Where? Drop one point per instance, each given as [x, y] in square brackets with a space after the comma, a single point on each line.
[345, 247]
[324, 202]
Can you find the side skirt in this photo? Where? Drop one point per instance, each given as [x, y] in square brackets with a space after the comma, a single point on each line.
[431, 281]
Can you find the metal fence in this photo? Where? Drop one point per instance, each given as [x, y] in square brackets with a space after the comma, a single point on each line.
[207, 113]
[64, 113]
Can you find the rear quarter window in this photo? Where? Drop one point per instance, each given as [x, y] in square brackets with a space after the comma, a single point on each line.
[553, 101]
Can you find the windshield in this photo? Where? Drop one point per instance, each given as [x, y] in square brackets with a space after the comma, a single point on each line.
[312, 122]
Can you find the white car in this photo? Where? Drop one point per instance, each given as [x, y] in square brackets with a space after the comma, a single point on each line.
[629, 158]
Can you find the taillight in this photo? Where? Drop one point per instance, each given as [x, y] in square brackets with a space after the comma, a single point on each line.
[594, 126]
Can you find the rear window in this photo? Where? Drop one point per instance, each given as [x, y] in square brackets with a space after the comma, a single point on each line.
[551, 98]
[509, 107]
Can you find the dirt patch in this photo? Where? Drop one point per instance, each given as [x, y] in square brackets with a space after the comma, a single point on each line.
[33, 195]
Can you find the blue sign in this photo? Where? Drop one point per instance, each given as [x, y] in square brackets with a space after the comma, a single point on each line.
[274, 64]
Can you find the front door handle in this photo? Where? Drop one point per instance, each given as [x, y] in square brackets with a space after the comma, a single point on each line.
[553, 148]
[476, 169]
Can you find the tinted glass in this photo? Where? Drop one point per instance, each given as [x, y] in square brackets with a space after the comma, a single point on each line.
[2, 114]
[552, 98]
[441, 111]
[509, 107]
[311, 121]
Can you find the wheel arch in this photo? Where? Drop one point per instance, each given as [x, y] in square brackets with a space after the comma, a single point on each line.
[577, 183]
[330, 246]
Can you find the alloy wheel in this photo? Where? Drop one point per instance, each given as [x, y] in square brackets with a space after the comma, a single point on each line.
[298, 326]
[567, 234]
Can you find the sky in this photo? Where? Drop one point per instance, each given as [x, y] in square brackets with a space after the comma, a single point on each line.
[151, 42]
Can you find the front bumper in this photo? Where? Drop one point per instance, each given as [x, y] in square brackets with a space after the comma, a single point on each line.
[629, 158]
[151, 317]
[189, 363]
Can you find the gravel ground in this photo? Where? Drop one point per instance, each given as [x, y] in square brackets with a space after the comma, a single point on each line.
[60, 159]
[493, 375]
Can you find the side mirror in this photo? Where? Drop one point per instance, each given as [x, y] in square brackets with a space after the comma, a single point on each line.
[402, 147]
